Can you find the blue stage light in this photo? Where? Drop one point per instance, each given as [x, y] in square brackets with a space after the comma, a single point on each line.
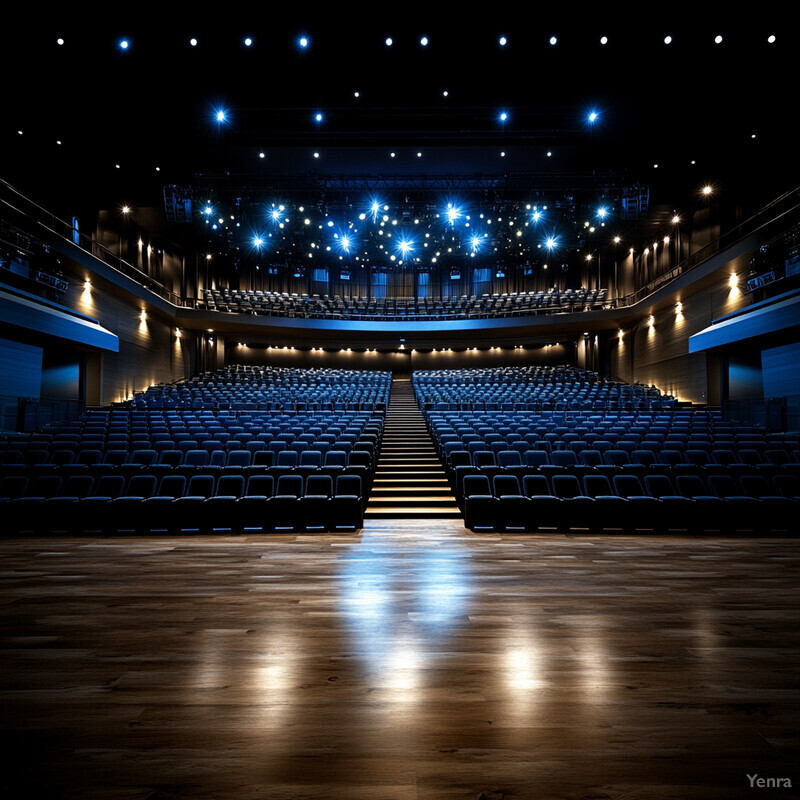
[405, 246]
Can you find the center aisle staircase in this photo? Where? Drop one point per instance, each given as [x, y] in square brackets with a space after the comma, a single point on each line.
[410, 481]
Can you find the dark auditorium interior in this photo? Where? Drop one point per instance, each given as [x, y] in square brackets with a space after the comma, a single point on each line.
[400, 407]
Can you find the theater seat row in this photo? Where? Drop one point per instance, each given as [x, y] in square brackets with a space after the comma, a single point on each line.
[174, 503]
[598, 502]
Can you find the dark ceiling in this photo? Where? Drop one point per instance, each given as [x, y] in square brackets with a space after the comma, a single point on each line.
[86, 123]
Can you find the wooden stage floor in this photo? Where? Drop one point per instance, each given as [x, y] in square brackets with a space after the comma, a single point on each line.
[411, 660]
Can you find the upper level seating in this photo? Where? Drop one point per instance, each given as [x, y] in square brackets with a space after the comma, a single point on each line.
[286, 304]
[532, 388]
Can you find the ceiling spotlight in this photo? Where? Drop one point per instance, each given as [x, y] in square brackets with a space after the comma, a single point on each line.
[248, 41]
[503, 41]
[424, 41]
[389, 42]
[604, 40]
[667, 39]
[303, 42]
[718, 39]
[193, 41]
[124, 44]
[553, 40]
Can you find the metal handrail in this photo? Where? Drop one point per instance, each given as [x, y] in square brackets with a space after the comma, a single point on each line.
[758, 222]
[17, 202]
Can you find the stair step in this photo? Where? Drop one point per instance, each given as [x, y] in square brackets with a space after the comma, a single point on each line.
[403, 512]
[400, 492]
[409, 479]
[414, 481]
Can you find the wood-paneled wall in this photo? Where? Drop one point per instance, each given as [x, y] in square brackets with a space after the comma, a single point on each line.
[658, 354]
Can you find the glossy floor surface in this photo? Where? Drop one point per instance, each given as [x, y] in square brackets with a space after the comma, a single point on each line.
[410, 660]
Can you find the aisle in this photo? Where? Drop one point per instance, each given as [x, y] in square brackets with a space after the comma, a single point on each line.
[410, 481]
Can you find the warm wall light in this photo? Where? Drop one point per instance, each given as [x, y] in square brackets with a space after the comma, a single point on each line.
[177, 333]
[733, 281]
[651, 320]
[678, 307]
[143, 315]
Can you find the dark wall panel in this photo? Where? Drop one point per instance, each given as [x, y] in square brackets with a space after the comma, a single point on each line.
[20, 369]
[781, 370]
